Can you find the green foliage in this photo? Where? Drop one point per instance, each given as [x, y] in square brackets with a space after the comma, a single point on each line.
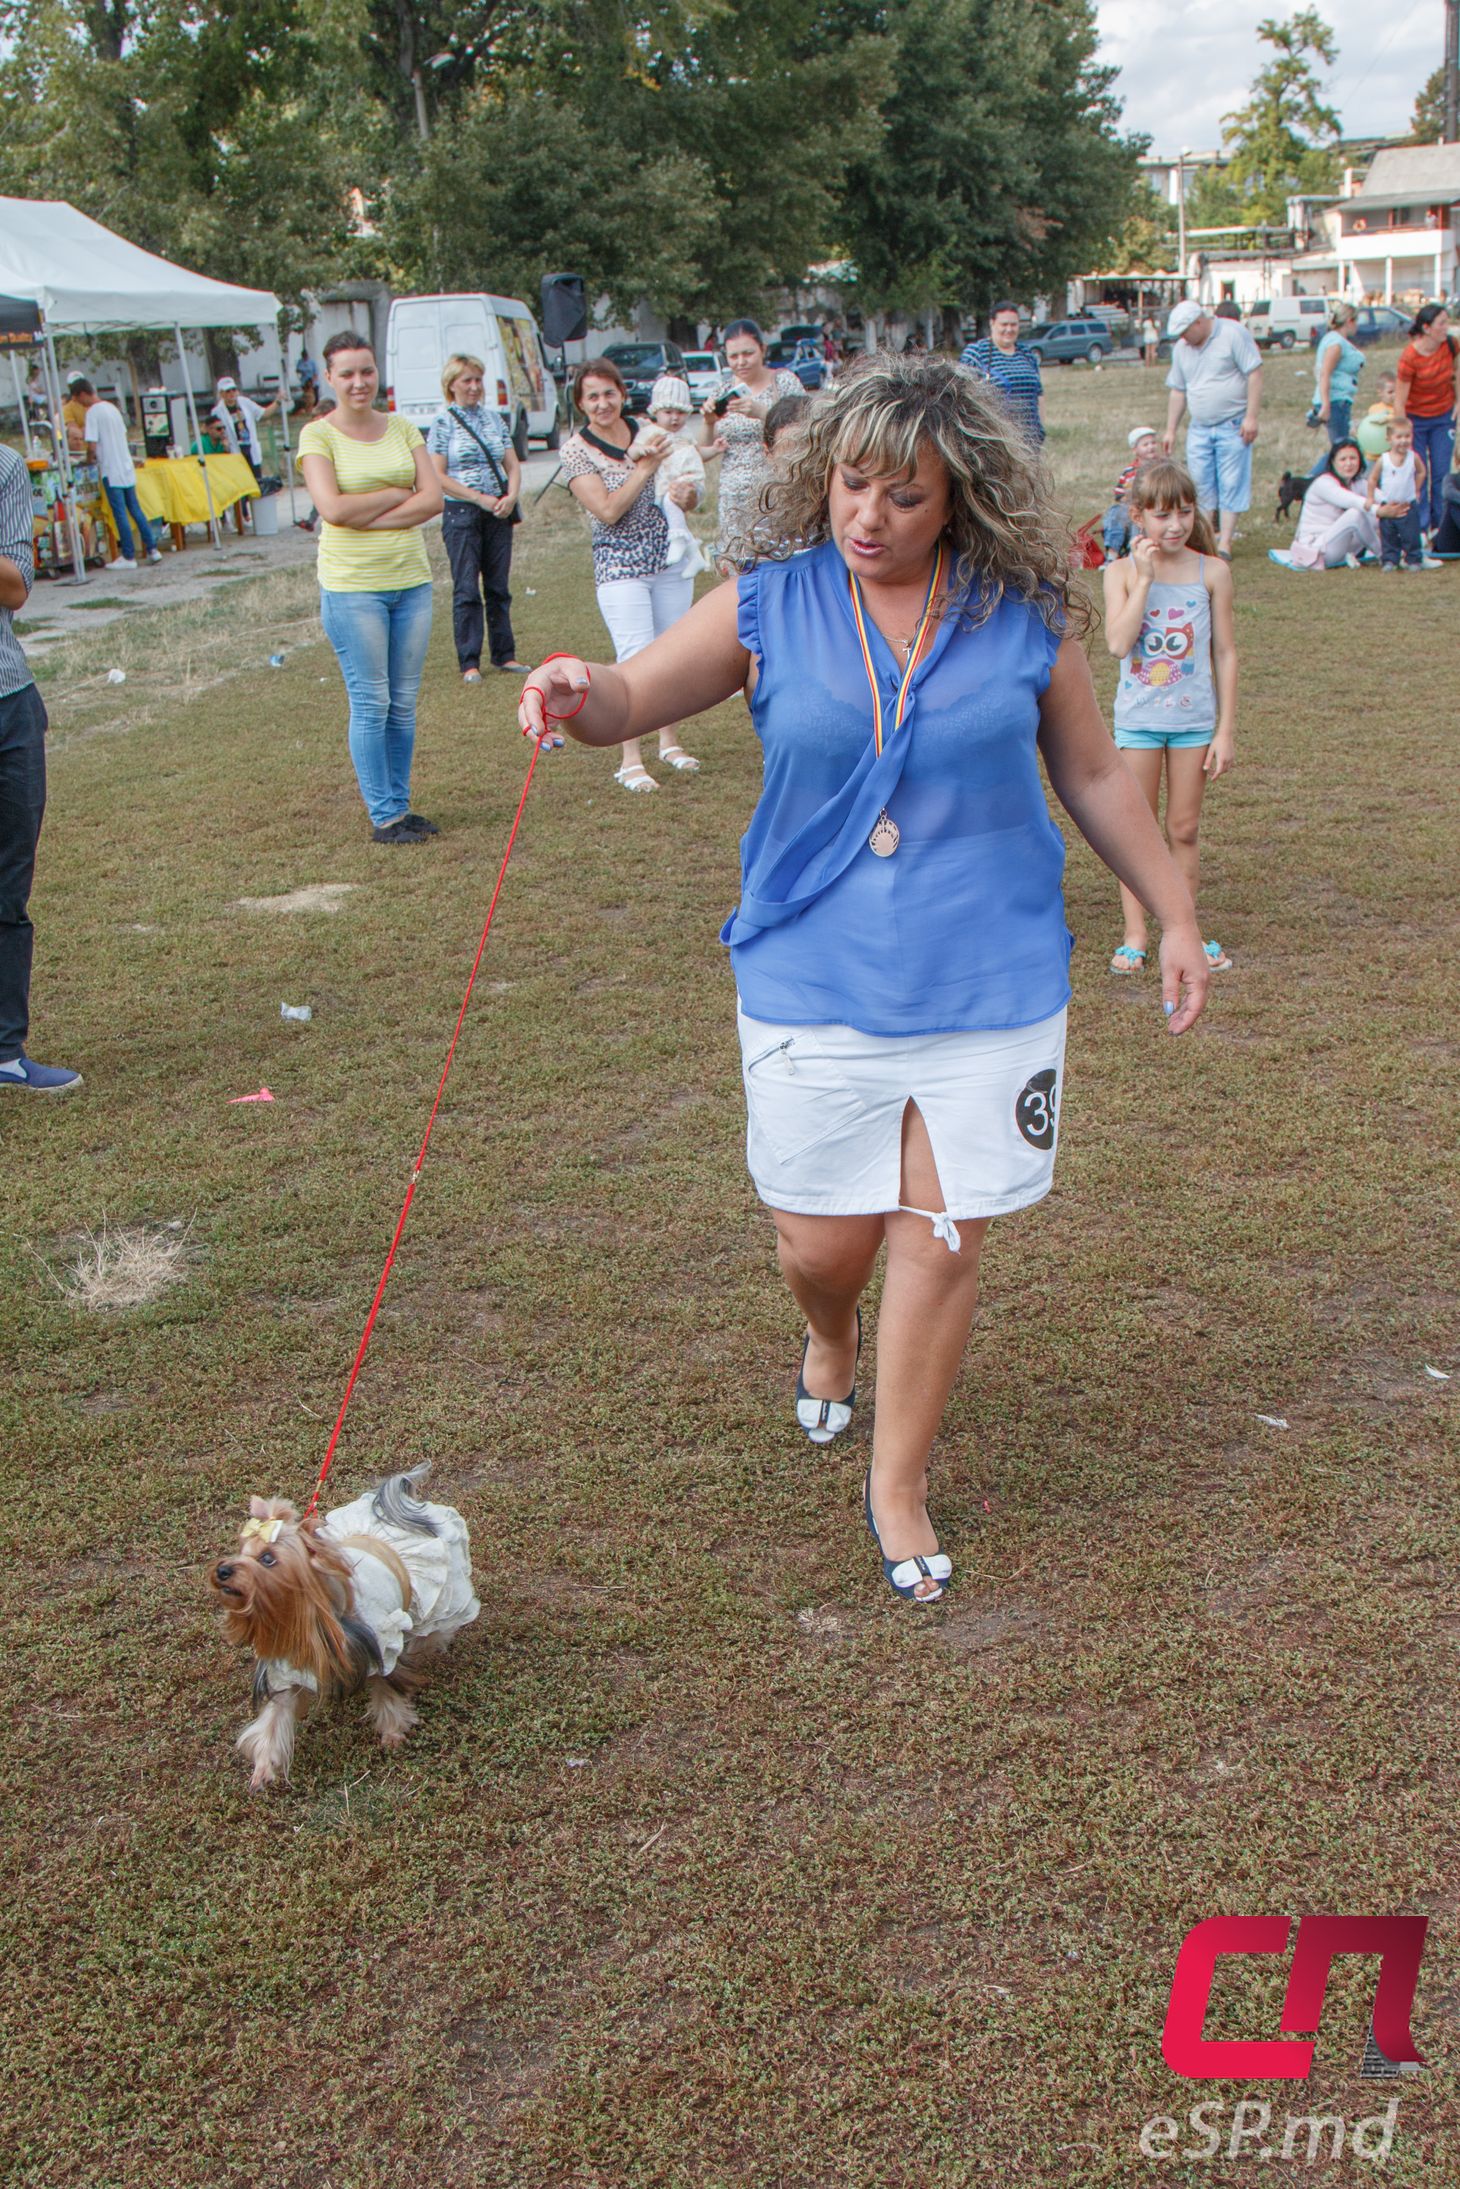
[1282, 141]
[700, 154]
[1428, 123]
[999, 164]
[1148, 240]
[196, 130]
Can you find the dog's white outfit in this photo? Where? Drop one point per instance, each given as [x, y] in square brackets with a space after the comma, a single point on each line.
[439, 1566]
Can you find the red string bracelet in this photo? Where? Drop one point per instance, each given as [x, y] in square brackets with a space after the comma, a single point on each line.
[547, 714]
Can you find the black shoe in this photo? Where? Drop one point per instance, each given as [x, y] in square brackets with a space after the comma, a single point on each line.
[399, 832]
[420, 824]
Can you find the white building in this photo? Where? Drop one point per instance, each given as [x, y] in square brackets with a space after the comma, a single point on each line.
[1394, 234]
[1172, 175]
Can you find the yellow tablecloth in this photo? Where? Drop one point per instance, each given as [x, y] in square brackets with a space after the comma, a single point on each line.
[170, 488]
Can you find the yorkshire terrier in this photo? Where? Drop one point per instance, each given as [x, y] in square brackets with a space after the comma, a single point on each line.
[355, 1599]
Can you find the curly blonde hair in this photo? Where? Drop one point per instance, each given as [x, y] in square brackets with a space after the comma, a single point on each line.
[1003, 526]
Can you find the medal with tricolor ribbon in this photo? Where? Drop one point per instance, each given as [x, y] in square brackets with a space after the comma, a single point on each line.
[886, 835]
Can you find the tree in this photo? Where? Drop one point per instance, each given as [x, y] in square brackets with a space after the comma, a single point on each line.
[999, 164]
[1147, 242]
[1428, 123]
[691, 156]
[1282, 141]
[200, 131]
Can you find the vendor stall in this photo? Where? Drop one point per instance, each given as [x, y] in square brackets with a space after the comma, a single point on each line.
[86, 280]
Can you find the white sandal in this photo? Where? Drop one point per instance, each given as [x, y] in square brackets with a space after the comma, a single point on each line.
[678, 758]
[635, 776]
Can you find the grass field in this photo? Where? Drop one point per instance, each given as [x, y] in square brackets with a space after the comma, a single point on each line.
[709, 1864]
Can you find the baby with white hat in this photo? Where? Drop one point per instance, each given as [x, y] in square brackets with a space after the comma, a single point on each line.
[672, 409]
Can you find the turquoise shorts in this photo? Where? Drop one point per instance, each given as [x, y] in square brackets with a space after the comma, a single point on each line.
[1158, 740]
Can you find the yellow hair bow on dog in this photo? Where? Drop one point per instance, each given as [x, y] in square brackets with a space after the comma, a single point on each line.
[269, 1530]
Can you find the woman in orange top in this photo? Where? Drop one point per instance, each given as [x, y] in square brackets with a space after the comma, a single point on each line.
[1429, 374]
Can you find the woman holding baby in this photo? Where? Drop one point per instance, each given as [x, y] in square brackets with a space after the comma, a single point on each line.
[611, 467]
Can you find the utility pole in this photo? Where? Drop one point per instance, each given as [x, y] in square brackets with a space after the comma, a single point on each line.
[1181, 158]
[1452, 71]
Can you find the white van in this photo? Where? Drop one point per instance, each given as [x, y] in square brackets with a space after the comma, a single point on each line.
[1282, 321]
[424, 331]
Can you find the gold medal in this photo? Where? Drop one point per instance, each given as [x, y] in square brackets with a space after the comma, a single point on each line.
[885, 836]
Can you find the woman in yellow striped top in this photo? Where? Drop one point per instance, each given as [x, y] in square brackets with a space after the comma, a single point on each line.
[374, 487]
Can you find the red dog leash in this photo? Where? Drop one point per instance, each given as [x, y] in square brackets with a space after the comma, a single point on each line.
[425, 1142]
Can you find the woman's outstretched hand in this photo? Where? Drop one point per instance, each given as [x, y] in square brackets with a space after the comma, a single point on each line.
[1184, 967]
[553, 693]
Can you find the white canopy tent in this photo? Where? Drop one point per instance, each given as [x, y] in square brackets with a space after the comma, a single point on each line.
[88, 281]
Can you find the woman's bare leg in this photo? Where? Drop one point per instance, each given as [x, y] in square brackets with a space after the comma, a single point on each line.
[630, 757]
[1146, 768]
[669, 746]
[826, 1261]
[928, 1298]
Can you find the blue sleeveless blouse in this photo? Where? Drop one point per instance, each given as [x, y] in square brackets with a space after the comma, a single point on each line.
[963, 928]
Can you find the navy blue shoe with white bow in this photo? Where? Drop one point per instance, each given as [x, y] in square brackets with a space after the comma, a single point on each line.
[823, 1419]
[917, 1580]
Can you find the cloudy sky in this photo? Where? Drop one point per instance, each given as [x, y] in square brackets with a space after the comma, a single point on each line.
[1185, 63]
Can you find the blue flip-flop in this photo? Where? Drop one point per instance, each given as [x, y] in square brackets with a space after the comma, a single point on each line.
[906, 1576]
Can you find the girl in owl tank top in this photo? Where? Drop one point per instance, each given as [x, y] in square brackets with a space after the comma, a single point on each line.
[1168, 621]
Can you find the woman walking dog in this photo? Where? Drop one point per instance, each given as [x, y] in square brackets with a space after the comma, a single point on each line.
[900, 947]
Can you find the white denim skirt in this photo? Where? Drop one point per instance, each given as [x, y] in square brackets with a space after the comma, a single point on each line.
[826, 1106]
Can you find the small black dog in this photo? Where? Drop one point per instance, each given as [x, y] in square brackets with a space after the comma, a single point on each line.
[1291, 490]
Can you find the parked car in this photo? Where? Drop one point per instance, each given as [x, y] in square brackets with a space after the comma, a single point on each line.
[641, 364]
[1380, 323]
[1280, 322]
[805, 359]
[704, 370]
[423, 331]
[1061, 341]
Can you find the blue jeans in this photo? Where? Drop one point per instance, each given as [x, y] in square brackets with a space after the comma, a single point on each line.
[380, 643]
[124, 499]
[1399, 536]
[1116, 529]
[1220, 463]
[1339, 417]
[1434, 439]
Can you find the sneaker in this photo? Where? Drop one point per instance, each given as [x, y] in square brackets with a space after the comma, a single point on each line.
[420, 824]
[38, 1078]
[154, 554]
[123, 562]
[397, 832]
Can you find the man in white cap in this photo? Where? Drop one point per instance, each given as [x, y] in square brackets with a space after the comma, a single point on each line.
[1216, 373]
[239, 417]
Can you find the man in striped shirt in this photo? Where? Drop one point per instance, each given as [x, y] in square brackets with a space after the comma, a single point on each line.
[22, 792]
[1014, 370]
